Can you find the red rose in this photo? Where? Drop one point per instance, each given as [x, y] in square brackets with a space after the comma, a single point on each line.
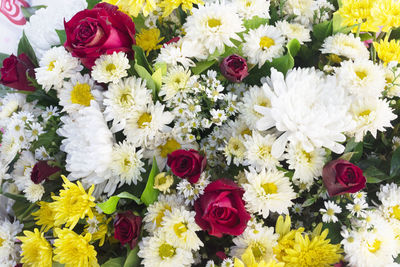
[42, 170]
[14, 71]
[187, 164]
[341, 176]
[220, 210]
[101, 30]
[234, 68]
[127, 228]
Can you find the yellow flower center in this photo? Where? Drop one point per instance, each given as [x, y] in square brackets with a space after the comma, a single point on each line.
[81, 94]
[396, 212]
[160, 215]
[144, 118]
[266, 42]
[330, 212]
[1, 241]
[258, 251]
[17, 128]
[334, 58]
[246, 131]
[270, 188]
[306, 156]
[166, 251]
[125, 98]
[170, 146]
[51, 66]
[179, 229]
[264, 151]
[212, 23]
[357, 207]
[364, 113]
[110, 67]
[375, 246]
[361, 74]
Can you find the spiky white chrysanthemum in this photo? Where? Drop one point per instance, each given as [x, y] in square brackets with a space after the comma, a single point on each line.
[308, 108]
[328, 214]
[302, 9]
[307, 166]
[10, 103]
[88, 143]
[78, 92]
[33, 192]
[121, 100]
[176, 53]
[159, 250]
[361, 78]
[346, 45]
[247, 9]
[56, 65]
[180, 228]
[294, 31]
[235, 150]
[22, 169]
[213, 25]
[263, 44]
[268, 191]
[175, 82]
[146, 124]
[110, 68]
[389, 195]
[8, 247]
[370, 115]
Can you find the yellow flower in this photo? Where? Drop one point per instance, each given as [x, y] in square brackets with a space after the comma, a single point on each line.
[249, 260]
[354, 12]
[72, 204]
[171, 5]
[36, 251]
[148, 40]
[44, 216]
[388, 51]
[386, 13]
[133, 7]
[74, 250]
[163, 182]
[98, 227]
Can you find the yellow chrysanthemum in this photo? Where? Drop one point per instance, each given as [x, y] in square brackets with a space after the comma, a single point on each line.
[97, 227]
[355, 12]
[249, 260]
[74, 250]
[149, 40]
[386, 13]
[388, 51]
[36, 250]
[170, 5]
[133, 7]
[44, 216]
[72, 204]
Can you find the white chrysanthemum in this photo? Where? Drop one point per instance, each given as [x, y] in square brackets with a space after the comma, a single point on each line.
[89, 144]
[121, 100]
[261, 243]
[176, 53]
[392, 73]
[361, 78]
[247, 9]
[111, 68]
[156, 211]
[180, 228]
[145, 125]
[10, 146]
[303, 9]
[268, 191]
[9, 250]
[213, 25]
[307, 166]
[175, 82]
[33, 192]
[328, 214]
[309, 108]
[346, 45]
[78, 92]
[258, 151]
[389, 195]
[10, 103]
[294, 31]
[263, 44]
[370, 115]
[56, 65]
[235, 150]
[160, 251]
[22, 169]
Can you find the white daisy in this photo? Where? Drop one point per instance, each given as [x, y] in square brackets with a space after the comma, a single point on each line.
[357, 208]
[235, 150]
[227, 263]
[247, 9]
[328, 214]
[41, 153]
[294, 31]
[9, 250]
[346, 45]
[50, 112]
[22, 170]
[176, 53]
[175, 82]
[191, 192]
[389, 195]
[10, 103]
[110, 68]
[268, 191]
[34, 130]
[263, 44]
[213, 25]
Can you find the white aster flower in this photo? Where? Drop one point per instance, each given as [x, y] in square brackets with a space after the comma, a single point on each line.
[22, 170]
[247, 9]
[357, 208]
[346, 45]
[41, 154]
[34, 130]
[263, 44]
[213, 25]
[56, 65]
[110, 68]
[268, 191]
[227, 263]
[9, 250]
[191, 192]
[175, 82]
[328, 214]
[297, 208]
[50, 112]
[294, 31]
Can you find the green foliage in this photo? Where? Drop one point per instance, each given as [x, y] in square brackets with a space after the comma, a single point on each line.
[132, 260]
[323, 30]
[150, 194]
[286, 62]
[374, 175]
[254, 22]
[140, 58]
[2, 57]
[29, 11]
[49, 139]
[62, 36]
[395, 163]
[203, 66]
[110, 206]
[356, 148]
[114, 262]
[25, 47]
[92, 3]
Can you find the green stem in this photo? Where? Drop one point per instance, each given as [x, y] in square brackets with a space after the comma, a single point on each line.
[358, 29]
[388, 35]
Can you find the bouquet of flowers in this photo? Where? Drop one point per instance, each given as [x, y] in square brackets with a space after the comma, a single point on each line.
[202, 133]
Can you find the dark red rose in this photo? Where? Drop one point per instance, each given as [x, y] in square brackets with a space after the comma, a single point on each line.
[234, 68]
[173, 40]
[14, 71]
[127, 228]
[42, 170]
[341, 176]
[187, 164]
[220, 210]
[101, 30]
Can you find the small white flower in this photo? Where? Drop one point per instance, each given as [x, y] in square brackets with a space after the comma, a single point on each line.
[110, 68]
[328, 214]
[357, 208]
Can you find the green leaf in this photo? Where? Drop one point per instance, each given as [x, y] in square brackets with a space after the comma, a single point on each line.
[323, 30]
[92, 3]
[57, 264]
[162, 66]
[62, 36]
[25, 47]
[29, 11]
[157, 77]
[14, 196]
[293, 47]
[283, 63]
[395, 163]
[356, 147]
[140, 58]
[150, 194]
[374, 175]
[254, 22]
[115, 262]
[308, 202]
[143, 73]
[347, 156]
[202, 66]
[110, 206]
[132, 260]
[2, 57]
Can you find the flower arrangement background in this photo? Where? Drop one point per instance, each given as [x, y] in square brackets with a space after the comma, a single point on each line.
[202, 133]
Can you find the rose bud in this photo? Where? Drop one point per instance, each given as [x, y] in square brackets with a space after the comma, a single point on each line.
[340, 177]
[187, 164]
[234, 68]
[42, 170]
[101, 30]
[14, 71]
[220, 210]
[127, 228]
